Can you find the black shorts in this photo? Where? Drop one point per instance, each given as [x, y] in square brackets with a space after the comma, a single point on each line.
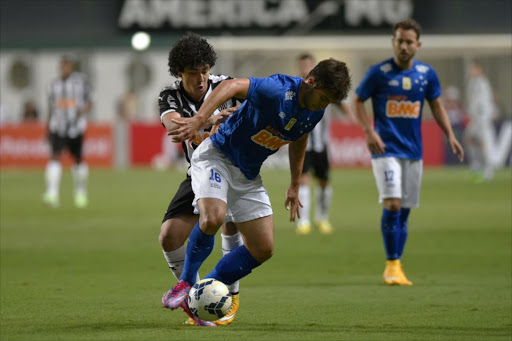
[181, 203]
[319, 162]
[73, 145]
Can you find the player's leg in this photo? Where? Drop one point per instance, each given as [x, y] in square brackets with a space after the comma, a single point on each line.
[250, 209]
[210, 185]
[259, 247]
[323, 193]
[389, 178]
[80, 171]
[231, 239]
[53, 171]
[304, 223]
[411, 187]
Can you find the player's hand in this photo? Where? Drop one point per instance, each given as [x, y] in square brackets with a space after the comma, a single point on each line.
[292, 202]
[375, 144]
[456, 148]
[222, 116]
[187, 128]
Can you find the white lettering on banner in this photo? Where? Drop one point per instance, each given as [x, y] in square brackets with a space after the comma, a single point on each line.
[99, 147]
[24, 148]
[502, 145]
[377, 12]
[215, 13]
[349, 151]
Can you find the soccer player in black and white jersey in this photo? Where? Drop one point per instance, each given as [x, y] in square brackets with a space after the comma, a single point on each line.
[191, 59]
[317, 159]
[70, 101]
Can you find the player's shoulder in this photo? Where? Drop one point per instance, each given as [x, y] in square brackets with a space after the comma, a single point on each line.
[214, 79]
[382, 67]
[171, 89]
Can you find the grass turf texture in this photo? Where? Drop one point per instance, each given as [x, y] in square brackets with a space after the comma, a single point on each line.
[98, 273]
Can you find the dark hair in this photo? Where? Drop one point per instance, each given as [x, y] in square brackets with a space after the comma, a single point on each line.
[192, 51]
[409, 24]
[333, 76]
[305, 55]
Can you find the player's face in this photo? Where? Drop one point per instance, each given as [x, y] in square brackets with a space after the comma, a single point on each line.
[195, 81]
[405, 45]
[66, 68]
[317, 99]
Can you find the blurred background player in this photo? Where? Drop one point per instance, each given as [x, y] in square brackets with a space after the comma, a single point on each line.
[317, 159]
[479, 133]
[191, 59]
[69, 103]
[398, 87]
[225, 168]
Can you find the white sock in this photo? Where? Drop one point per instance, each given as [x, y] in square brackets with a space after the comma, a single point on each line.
[230, 243]
[52, 174]
[80, 175]
[305, 199]
[176, 260]
[475, 158]
[323, 197]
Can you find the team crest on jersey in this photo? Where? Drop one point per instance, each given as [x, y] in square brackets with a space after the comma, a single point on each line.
[268, 140]
[290, 124]
[422, 68]
[289, 95]
[402, 109]
[385, 67]
[406, 83]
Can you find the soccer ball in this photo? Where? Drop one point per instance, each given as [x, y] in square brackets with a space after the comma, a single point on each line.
[209, 299]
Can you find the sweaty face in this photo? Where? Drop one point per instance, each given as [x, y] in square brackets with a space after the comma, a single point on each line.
[405, 45]
[195, 81]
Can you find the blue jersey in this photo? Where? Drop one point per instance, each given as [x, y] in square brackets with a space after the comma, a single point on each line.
[397, 99]
[269, 118]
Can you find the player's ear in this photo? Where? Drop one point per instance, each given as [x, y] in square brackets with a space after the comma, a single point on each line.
[419, 44]
[310, 81]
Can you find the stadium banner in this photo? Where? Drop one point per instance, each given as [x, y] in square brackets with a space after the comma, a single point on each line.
[150, 146]
[26, 145]
[348, 145]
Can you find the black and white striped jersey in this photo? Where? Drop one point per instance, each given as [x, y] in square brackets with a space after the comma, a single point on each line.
[66, 98]
[174, 98]
[319, 136]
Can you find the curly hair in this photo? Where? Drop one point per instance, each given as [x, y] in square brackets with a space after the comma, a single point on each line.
[190, 51]
[332, 75]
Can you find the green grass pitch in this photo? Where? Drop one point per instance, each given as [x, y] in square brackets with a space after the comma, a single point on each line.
[99, 273]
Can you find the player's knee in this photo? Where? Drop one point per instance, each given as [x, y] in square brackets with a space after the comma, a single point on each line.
[392, 205]
[210, 222]
[168, 238]
[263, 252]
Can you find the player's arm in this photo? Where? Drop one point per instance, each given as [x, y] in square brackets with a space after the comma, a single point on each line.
[296, 152]
[373, 140]
[441, 117]
[188, 127]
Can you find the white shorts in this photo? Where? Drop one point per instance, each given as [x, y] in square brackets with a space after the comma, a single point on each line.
[398, 178]
[214, 176]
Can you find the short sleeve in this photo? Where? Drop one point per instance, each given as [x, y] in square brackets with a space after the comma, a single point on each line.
[368, 84]
[433, 87]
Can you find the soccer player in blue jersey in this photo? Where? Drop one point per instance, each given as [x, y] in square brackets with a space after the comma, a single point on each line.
[398, 87]
[225, 168]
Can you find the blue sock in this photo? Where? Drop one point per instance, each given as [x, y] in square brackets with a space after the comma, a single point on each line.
[233, 266]
[199, 247]
[390, 227]
[404, 216]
